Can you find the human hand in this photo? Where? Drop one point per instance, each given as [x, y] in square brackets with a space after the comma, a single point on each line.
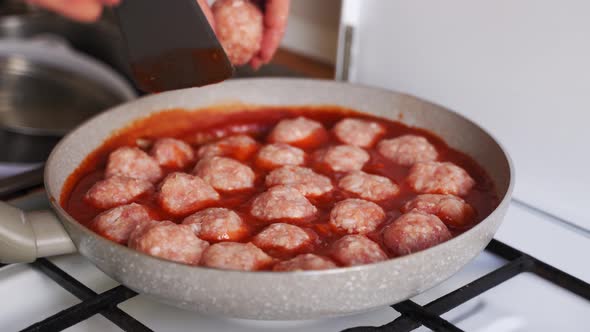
[90, 10]
[79, 10]
[275, 17]
[276, 13]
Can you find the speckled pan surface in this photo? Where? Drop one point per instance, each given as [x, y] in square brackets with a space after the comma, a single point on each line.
[291, 295]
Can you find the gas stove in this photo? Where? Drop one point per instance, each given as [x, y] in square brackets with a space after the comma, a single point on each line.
[521, 282]
[533, 277]
[530, 278]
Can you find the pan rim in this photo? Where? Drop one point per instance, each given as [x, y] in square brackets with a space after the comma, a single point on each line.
[55, 202]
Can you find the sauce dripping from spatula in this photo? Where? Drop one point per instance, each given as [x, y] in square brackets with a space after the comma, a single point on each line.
[171, 45]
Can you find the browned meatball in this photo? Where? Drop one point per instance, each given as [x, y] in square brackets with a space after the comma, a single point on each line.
[352, 250]
[282, 202]
[182, 193]
[283, 237]
[235, 256]
[225, 174]
[369, 186]
[356, 216]
[172, 153]
[305, 262]
[239, 26]
[308, 182]
[299, 131]
[170, 241]
[217, 224]
[279, 154]
[343, 158]
[116, 190]
[117, 224]
[358, 132]
[452, 210]
[413, 232]
[440, 178]
[239, 147]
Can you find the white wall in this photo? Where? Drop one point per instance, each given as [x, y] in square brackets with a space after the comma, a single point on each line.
[521, 68]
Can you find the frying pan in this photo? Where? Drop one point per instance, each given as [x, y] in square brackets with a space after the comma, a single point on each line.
[260, 295]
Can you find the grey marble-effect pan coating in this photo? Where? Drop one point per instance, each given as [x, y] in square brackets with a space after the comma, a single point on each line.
[287, 295]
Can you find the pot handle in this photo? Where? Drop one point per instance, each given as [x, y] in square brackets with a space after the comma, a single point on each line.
[26, 236]
[26, 180]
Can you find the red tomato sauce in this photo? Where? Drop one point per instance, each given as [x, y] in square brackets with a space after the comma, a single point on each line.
[198, 128]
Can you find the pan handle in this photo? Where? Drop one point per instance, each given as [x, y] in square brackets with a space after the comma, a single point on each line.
[26, 236]
[21, 181]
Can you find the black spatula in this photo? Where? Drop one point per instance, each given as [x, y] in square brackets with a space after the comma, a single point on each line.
[171, 45]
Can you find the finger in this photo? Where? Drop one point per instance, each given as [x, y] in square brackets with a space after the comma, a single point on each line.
[269, 45]
[275, 22]
[276, 13]
[207, 11]
[80, 10]
[255, 63]
[110, 2]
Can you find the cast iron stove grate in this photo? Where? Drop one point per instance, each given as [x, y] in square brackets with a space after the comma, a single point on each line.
[412, 316]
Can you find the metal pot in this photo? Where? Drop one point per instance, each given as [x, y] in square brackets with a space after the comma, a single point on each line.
[101, 40]
[261, 295]
[47, 89]
[40, 99]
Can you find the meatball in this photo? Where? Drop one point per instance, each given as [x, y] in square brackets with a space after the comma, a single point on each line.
[170, 241]
[133, 163]
[283, 237]
[452, 210]
[117, 224]
[351, 250]
[225, 174]
[413, 232]
[239, 147]
[369, 186]
[305, 262]
[343, 158]
[282, 202]
[299, 131]
[358, 132]
[172, 153]
[235, 256]
[182, 194]
[143, 227]
[239, 26]
[440, 178]
[356, 216]
[407, 150]
[217, 224]
[279, 154]
[308, 182]
[116, 190]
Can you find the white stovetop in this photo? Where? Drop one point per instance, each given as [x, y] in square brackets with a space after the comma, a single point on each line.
[525, 303]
